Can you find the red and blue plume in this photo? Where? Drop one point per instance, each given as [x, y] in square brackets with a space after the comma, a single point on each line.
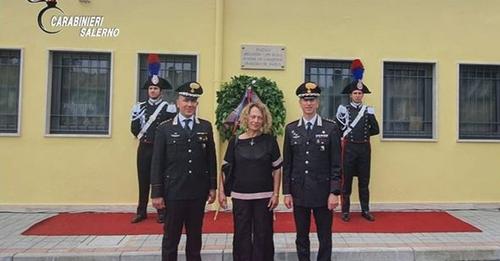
[357, 70]
[153, 64]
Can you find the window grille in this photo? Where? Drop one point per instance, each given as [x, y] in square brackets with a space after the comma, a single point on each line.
[408, 100]
[176, 69]
[80, 93]
[479, 102]
[10, 65]
[332, 76]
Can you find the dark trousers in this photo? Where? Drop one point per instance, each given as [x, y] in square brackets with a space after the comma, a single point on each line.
[356, 162]
[253, 230]
[323, 218]
[179, 214]
[144, 157]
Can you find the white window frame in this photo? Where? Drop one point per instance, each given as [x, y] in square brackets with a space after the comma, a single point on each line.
[457, 127]
[435, 99]
[49, 93]
[19, 98]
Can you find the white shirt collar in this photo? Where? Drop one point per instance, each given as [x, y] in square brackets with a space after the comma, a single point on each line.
[312, 120]
[356, 105]
[182, 118]
[155, 101]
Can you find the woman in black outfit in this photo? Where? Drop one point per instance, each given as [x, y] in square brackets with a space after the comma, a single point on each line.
[257, 162]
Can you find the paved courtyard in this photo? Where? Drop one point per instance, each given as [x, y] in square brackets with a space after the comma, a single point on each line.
[347, 246]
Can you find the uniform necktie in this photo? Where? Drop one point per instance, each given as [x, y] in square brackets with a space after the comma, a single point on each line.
[186, 125]
[309, 128]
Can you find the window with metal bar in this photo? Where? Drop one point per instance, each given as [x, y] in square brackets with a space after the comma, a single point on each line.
[332, 76]
[10, 66]
[80, 93]
[408, 100]
[176, 69]
[479, 102]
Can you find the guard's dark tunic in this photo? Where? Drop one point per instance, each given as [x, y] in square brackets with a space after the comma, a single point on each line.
[140, 115]
[182, 172]
[357, 155]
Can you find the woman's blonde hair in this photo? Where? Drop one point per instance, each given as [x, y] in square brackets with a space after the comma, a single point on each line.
[266, 116]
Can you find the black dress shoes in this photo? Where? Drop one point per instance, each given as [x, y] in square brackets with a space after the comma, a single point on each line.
[346, 217]
[138, 218]
[367, 216]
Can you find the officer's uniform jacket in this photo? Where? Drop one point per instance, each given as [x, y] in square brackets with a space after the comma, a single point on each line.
[140, 116]
[367, 126]
[311, 166]
[184, 165]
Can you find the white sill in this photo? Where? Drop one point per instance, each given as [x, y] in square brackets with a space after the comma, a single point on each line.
[408, 140]
[17, 134]
[477, 141]
[92, 136]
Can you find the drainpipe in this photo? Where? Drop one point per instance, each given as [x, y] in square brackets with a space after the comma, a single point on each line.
[219, 40]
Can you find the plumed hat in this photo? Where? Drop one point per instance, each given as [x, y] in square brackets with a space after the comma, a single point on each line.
[357, 71]
[153, 78]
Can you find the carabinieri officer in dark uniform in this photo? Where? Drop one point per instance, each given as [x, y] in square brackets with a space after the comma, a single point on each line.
[146, 116]
[311, 172]
[183, 173]
[358, 123]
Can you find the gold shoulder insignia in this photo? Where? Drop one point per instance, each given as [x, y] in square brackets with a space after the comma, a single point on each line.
[165, 122]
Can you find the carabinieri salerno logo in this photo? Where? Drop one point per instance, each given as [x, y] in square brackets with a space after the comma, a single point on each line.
[51, 4]
[90, 25]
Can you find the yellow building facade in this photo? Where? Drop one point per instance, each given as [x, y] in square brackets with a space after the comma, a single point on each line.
[449, 163]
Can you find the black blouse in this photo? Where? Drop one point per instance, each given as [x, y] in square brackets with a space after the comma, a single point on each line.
[255, 160]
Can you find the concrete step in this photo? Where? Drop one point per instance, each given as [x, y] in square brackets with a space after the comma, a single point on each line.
[344, 254]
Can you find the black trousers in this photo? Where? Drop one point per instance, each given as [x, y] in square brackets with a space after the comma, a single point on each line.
[144, 157]
[179, 214]
[253, 230]
[323, 218]
[356, 162]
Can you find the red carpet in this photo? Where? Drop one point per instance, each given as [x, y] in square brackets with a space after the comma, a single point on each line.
[91, 223]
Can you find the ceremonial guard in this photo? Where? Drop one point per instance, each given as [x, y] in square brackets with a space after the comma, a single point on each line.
[183, 173]
[358, 123]
[146, 116]
[311, 172]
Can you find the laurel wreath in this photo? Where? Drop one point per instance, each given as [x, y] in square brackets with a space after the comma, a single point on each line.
[232, 92]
